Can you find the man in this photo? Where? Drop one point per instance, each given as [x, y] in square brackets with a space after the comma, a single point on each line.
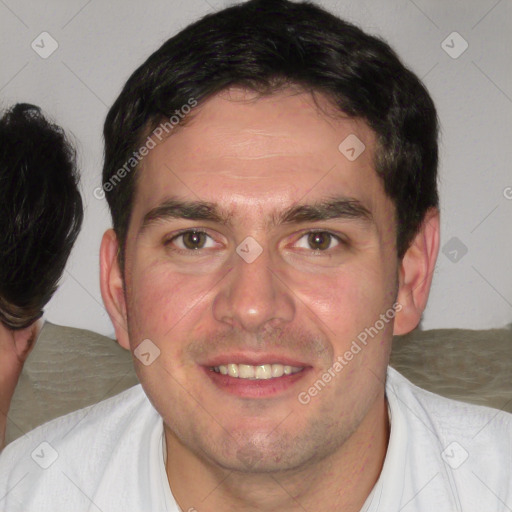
[40, 217]
[271, 173]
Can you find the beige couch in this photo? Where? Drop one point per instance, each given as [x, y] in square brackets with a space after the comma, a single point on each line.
[72, 368]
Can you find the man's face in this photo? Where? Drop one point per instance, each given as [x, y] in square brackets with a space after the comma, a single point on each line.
[211, 302]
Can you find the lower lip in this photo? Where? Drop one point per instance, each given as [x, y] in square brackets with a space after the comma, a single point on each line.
[254, 388]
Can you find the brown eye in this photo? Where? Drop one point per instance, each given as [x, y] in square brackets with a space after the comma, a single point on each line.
[190, 240]
[320, 241]
[194, 239]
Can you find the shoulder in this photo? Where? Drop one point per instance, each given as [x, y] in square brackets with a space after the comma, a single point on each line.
[112, 410]
[81, 438]
[448, 415]
[474, 438]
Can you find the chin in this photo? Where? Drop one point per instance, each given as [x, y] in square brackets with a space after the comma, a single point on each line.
[260, 453]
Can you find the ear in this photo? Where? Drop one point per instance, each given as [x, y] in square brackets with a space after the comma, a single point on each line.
[416, 272]
[111, 284]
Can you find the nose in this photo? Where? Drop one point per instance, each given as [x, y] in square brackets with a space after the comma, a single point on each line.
[254, 294]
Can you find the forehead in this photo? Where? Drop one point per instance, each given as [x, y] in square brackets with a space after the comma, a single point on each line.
[252, 155]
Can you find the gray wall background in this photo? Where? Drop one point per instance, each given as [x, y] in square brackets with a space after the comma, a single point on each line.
[100, 43]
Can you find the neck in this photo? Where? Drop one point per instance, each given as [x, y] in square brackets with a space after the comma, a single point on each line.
[341, 481]
[14, 349]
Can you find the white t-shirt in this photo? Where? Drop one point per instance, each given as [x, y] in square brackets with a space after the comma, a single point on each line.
[443, 456]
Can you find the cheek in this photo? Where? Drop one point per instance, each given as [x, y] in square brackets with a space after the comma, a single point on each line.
[349, 299]
[157, 299]
[167, 305]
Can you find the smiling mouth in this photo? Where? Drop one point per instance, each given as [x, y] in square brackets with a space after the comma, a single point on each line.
[256, 372]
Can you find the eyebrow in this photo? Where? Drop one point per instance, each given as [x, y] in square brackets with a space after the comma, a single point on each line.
[338, 207]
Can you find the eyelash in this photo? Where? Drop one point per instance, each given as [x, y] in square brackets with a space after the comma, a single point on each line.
[179, 234]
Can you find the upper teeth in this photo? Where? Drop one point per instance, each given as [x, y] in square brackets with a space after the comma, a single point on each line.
[262, 371]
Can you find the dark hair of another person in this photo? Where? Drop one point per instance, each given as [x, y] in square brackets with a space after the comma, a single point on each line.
[265, 46]
[41, 212]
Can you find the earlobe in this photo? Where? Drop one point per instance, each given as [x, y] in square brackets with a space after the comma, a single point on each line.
[111, 283]
[416, 272]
